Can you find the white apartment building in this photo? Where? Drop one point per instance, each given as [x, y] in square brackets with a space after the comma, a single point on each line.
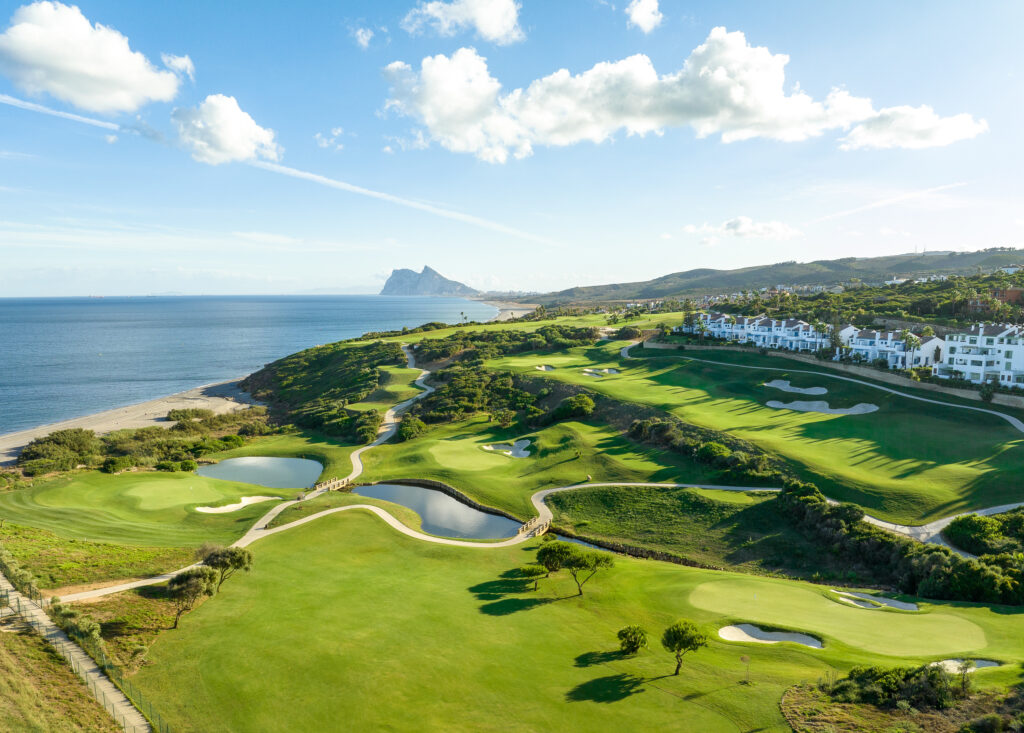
[986, 352]
[872, 345]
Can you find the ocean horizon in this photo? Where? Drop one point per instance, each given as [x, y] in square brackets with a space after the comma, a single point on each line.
[62, 358]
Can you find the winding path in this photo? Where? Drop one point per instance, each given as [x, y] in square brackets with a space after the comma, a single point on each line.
[930, 532]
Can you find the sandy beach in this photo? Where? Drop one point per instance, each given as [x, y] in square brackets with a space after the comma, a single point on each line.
[220, 397]
[508, 311]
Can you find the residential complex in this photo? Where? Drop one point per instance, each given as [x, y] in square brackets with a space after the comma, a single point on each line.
[986, 352]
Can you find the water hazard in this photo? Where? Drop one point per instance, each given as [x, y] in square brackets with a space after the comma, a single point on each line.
[441, 514]
[274, 473]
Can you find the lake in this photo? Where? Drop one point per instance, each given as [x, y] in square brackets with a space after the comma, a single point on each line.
[441, 514]
[274, 473]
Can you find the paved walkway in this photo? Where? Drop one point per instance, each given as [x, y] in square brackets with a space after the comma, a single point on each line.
[106, 692]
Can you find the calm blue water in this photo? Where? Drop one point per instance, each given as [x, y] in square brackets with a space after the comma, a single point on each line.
[67, 357]
[443, 515]
[274, 473]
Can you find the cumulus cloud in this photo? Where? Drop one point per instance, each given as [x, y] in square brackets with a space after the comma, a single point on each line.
[726, 87]
[493, 20]
[219, 131]
[331, 139]
[52, 48]
[181, 65]
[744, 226]
[363, 37]
[913, 128]
[644, 14]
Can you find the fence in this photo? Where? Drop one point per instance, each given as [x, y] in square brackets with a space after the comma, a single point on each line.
[92, 678]
[331, 484]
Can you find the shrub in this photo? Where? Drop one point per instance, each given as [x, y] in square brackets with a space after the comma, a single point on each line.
[167, 466]
[580, 405]
[410, 427]
[188, 465]
[713, 453]
[987, 391]
[116, 464]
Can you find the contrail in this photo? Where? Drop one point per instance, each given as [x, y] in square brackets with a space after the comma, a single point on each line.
[888, 202]
[435, 210]
[32, 106]
[304, 175]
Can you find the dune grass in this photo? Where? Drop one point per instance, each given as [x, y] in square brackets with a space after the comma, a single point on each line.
[386, 632]
[909, 462]
[143, 509]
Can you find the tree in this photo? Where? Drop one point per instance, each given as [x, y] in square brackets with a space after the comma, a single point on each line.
[680, 638]
[584, 564]
[927, 332]
[534, 573]
[505, 417]
[188, 587]
[632, 639]
[702, 330]
[228, 561]
[410, 427]
[911, 343]
[554, 555]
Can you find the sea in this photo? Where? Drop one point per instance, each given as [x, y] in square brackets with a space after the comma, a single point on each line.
[62, 358]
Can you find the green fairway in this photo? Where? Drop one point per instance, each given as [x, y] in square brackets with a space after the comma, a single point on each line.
[909, 461]
[397, 387]
[147, 508]
[386, 632]
[562, 454]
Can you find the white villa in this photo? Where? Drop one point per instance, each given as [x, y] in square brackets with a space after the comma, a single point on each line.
[889, 345]
[986, 352]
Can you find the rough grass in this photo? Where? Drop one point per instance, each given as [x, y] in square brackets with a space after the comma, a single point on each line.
[739, 530]
[39, 693]
[345, 610]
[57, 561]
[909, 461]
[131, 620]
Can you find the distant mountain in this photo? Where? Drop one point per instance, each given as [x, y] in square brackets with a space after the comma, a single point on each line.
[820, 272]
[428, 282]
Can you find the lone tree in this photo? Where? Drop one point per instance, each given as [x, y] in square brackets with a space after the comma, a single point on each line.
[680, 638]
[584, 564]
[553, 556]
[227, 561]
[532, 572]
[632, 639]
[186, 588]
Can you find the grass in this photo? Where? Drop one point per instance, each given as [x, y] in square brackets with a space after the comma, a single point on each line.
[739, 530]
[332, 454]
[130, 622]
[386, 632]
[40, 694]
[909, 462]
[561, 454]
[58, 561]
[397, 387]
[334, 499]
[149, 509]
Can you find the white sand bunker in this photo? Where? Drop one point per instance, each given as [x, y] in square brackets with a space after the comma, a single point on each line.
[821, 406]
[953, 665]
[246, 501]
[545, 368]
[749, 632]
[866, 600]
[599, 372]
[785, 386]
[514, 450]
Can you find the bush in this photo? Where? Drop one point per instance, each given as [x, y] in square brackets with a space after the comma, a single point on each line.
[927, 686]
[991, 723]
[188, 465]
[410, 427]
[116, 464]
[580, 405]
[167, 466]
[714, 453]
[628, 333]
[987, 391]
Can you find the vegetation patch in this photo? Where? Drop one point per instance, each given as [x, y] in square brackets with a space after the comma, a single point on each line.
[995, 535]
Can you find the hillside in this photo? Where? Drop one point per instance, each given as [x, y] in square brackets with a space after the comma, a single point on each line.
[427, 282]
[820, 272]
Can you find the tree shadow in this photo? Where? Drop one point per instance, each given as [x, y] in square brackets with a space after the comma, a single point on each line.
[508, 606]
[589, 659]
[611, 688]
[493, 590]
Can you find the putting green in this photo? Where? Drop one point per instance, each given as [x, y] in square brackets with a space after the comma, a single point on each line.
[146, 508]
[804, 609]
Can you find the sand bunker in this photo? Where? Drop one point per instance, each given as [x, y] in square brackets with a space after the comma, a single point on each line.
[545, 368]
[599, 372]
[821, 406]
[514, 450]
[953, 665]
[749, 632]
[246, 501]
[785, 386]
[866, 600]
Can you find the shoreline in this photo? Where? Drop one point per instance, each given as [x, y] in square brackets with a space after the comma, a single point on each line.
[221, 397]
[508, 310]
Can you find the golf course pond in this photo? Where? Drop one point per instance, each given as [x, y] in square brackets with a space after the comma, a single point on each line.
[441, 514]
[274, 473]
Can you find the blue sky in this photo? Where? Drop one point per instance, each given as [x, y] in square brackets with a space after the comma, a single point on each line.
[201, 147]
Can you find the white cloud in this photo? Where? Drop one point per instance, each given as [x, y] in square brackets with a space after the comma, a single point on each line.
[181, 65]
[913, 128]
[493, 20]
[52, 48]
[726, 87]
[744, 226]
[111, 139]
[363, 37]
[331, 139]
[219, 131]
[644, 14]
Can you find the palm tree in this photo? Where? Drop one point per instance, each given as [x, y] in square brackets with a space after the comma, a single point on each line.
[702, 329]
